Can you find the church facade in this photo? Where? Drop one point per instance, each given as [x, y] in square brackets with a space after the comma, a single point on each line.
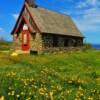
[40, 30]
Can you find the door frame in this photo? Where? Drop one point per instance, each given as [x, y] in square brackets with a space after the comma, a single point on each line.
[26, 47]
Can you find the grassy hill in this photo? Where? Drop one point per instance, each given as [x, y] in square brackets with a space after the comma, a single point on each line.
[66, 76]
[4, 45]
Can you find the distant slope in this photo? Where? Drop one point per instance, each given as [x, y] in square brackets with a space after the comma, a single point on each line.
[4, 45]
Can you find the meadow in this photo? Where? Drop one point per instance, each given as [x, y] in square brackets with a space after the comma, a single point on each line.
[60, 76]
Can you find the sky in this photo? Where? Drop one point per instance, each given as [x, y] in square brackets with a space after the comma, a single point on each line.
[85, 14]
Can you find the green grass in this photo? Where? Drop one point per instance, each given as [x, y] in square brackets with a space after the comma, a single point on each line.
[63, 76]
[4, 45]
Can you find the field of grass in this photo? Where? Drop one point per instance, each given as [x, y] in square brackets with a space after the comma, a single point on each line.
[4, 45]
[66, 76]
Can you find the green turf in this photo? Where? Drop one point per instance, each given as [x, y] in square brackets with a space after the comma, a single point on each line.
[67, 76]
[5, 45]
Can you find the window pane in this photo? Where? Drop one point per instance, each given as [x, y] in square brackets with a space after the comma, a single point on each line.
[25, 38]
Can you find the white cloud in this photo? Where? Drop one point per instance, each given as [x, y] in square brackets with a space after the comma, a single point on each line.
[1, 29]
[89, 23]
[87, 20]
[86, 3]
[87, 15]
[15, 16]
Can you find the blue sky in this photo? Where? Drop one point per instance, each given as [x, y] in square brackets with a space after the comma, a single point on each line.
[85, 14]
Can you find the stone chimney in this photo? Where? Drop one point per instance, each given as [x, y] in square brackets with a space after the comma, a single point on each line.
[31, 3]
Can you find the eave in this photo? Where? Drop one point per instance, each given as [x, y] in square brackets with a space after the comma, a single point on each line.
[17, 23]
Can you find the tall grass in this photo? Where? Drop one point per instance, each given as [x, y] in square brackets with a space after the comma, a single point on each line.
[66, 76]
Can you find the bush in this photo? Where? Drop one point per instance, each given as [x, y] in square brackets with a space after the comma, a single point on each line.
[87, 46]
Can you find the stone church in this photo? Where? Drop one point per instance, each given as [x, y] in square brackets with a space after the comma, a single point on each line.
[40, 30]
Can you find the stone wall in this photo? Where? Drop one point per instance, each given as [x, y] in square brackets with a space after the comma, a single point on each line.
[63, 42]
[47, 41]
[50, 40]
[36, 44]
[61, 49]
[60, 41]
[17, 40]
[42, 43]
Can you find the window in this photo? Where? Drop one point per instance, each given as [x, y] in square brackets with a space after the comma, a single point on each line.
[25, 27]
[55, 41]
[48, 40]
[65, 42]
[25, 39]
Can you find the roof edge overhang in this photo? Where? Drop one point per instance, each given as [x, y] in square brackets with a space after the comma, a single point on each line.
[25, 5]
[29, 26]
[63, 35]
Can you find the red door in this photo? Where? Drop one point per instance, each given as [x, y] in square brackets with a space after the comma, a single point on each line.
[25, 40]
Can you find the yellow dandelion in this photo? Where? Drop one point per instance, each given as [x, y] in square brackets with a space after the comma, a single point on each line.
[30, 93]
[51, 96]
[13, 73]
[13, 92]
[77, 99]
[9, 93]
[90, 98]
[22, 93]
[70, 82]
[81, 94]
[9, 88]
[17, 95]
[14, 54]
[59, 87]
[2, 98]
[80, 88]
[68, 91]
[41, 91]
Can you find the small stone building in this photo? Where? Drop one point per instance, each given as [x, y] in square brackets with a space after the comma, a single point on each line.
[40, 30]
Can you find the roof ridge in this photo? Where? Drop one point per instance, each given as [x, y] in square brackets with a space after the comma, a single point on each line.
[50, 11]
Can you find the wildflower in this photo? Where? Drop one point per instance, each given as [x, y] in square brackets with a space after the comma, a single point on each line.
[99, 96]
[14, 54]
[98, 84]
[28, 98]
[13, 73]
[30, 93]
[22, 93]
[41, 91]
[25, 83]
[98, 79]
[13, 92]
[17, 95]
[9, 93]
[77, 99]
[59, 87]
[51, 96]
[9, 88]
[80, 88]
[68, 92]
[2, 98]
[81, 94]
[46, 94]
[70, 82]
[90, 98]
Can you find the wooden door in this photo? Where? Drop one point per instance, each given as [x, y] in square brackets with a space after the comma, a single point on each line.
[25, 40]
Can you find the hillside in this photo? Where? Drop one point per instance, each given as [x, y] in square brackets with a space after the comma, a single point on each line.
[67, 76]
[4, 45]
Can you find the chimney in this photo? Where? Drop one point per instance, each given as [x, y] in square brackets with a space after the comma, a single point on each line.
[31, 3]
